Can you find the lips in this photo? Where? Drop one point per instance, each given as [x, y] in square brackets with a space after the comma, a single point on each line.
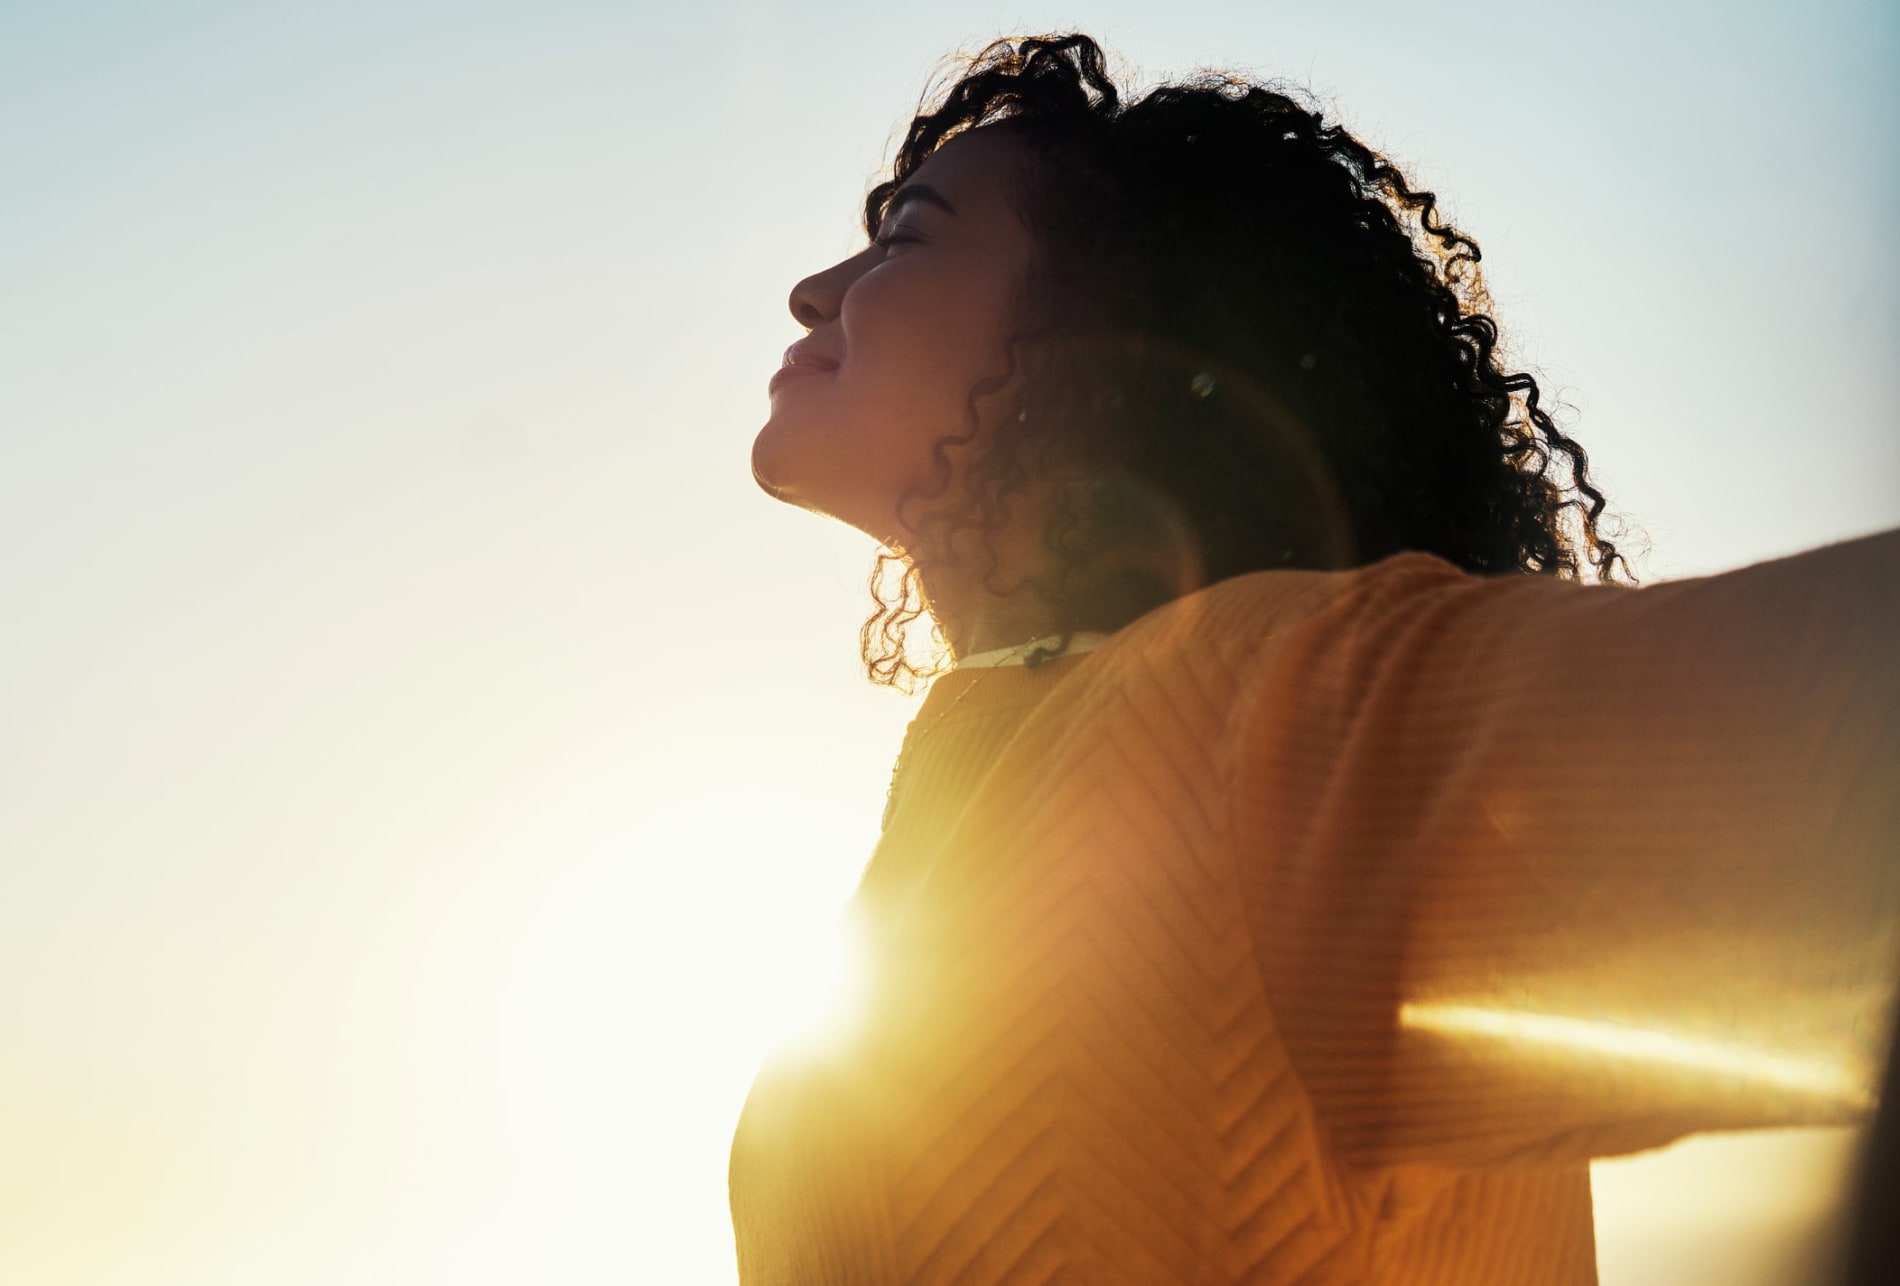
[791, 374]
[801, 359]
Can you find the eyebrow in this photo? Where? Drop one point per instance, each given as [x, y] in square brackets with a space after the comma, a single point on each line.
[919, 192]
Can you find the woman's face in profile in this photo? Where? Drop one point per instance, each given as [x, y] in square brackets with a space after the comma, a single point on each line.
[899, 334]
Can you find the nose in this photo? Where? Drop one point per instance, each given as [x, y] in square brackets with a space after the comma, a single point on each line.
[817, 299]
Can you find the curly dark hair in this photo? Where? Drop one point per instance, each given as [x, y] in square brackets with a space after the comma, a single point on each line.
[1245, 342]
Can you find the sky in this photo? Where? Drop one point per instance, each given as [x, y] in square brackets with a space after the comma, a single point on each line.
[428, 765]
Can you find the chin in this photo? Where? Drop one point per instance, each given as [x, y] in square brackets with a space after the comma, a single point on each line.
[768, 465]
[793, 468]
[776, 467]
[762, 475]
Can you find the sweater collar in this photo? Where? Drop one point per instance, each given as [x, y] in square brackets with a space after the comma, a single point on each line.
[1019, 654]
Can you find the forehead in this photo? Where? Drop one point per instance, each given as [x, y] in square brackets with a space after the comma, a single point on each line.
[977, 172]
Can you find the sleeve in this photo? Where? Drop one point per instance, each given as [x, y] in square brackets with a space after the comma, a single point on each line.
[1539, 872]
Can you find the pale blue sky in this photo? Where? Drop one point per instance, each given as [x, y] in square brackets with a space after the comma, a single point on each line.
[385, 584]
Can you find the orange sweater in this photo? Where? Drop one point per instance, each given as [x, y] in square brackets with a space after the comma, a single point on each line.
[1320, 928]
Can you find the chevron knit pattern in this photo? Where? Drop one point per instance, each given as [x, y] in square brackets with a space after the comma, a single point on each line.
[1276, 940]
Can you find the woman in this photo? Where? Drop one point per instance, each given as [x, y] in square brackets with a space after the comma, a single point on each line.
[1279, 888]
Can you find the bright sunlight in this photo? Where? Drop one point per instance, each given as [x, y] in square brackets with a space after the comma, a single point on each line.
[1773, 1068]
[648, 980]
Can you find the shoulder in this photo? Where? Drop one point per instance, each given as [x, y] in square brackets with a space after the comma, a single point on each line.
[1224, 628]
[1184, 681]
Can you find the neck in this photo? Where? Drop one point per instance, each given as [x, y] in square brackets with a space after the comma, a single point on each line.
[958, 577]
[994, 624]
[975, 620]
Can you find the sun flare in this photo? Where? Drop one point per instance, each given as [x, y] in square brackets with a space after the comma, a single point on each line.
[1818, 1076]
[649, 976]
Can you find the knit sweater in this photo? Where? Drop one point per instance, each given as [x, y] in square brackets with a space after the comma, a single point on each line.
[1320, 928]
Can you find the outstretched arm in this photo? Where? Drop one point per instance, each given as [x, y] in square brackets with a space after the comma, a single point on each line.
[1540, 872]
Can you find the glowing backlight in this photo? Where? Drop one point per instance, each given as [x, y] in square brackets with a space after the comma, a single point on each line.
[649, 974]
[1822, 1077]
